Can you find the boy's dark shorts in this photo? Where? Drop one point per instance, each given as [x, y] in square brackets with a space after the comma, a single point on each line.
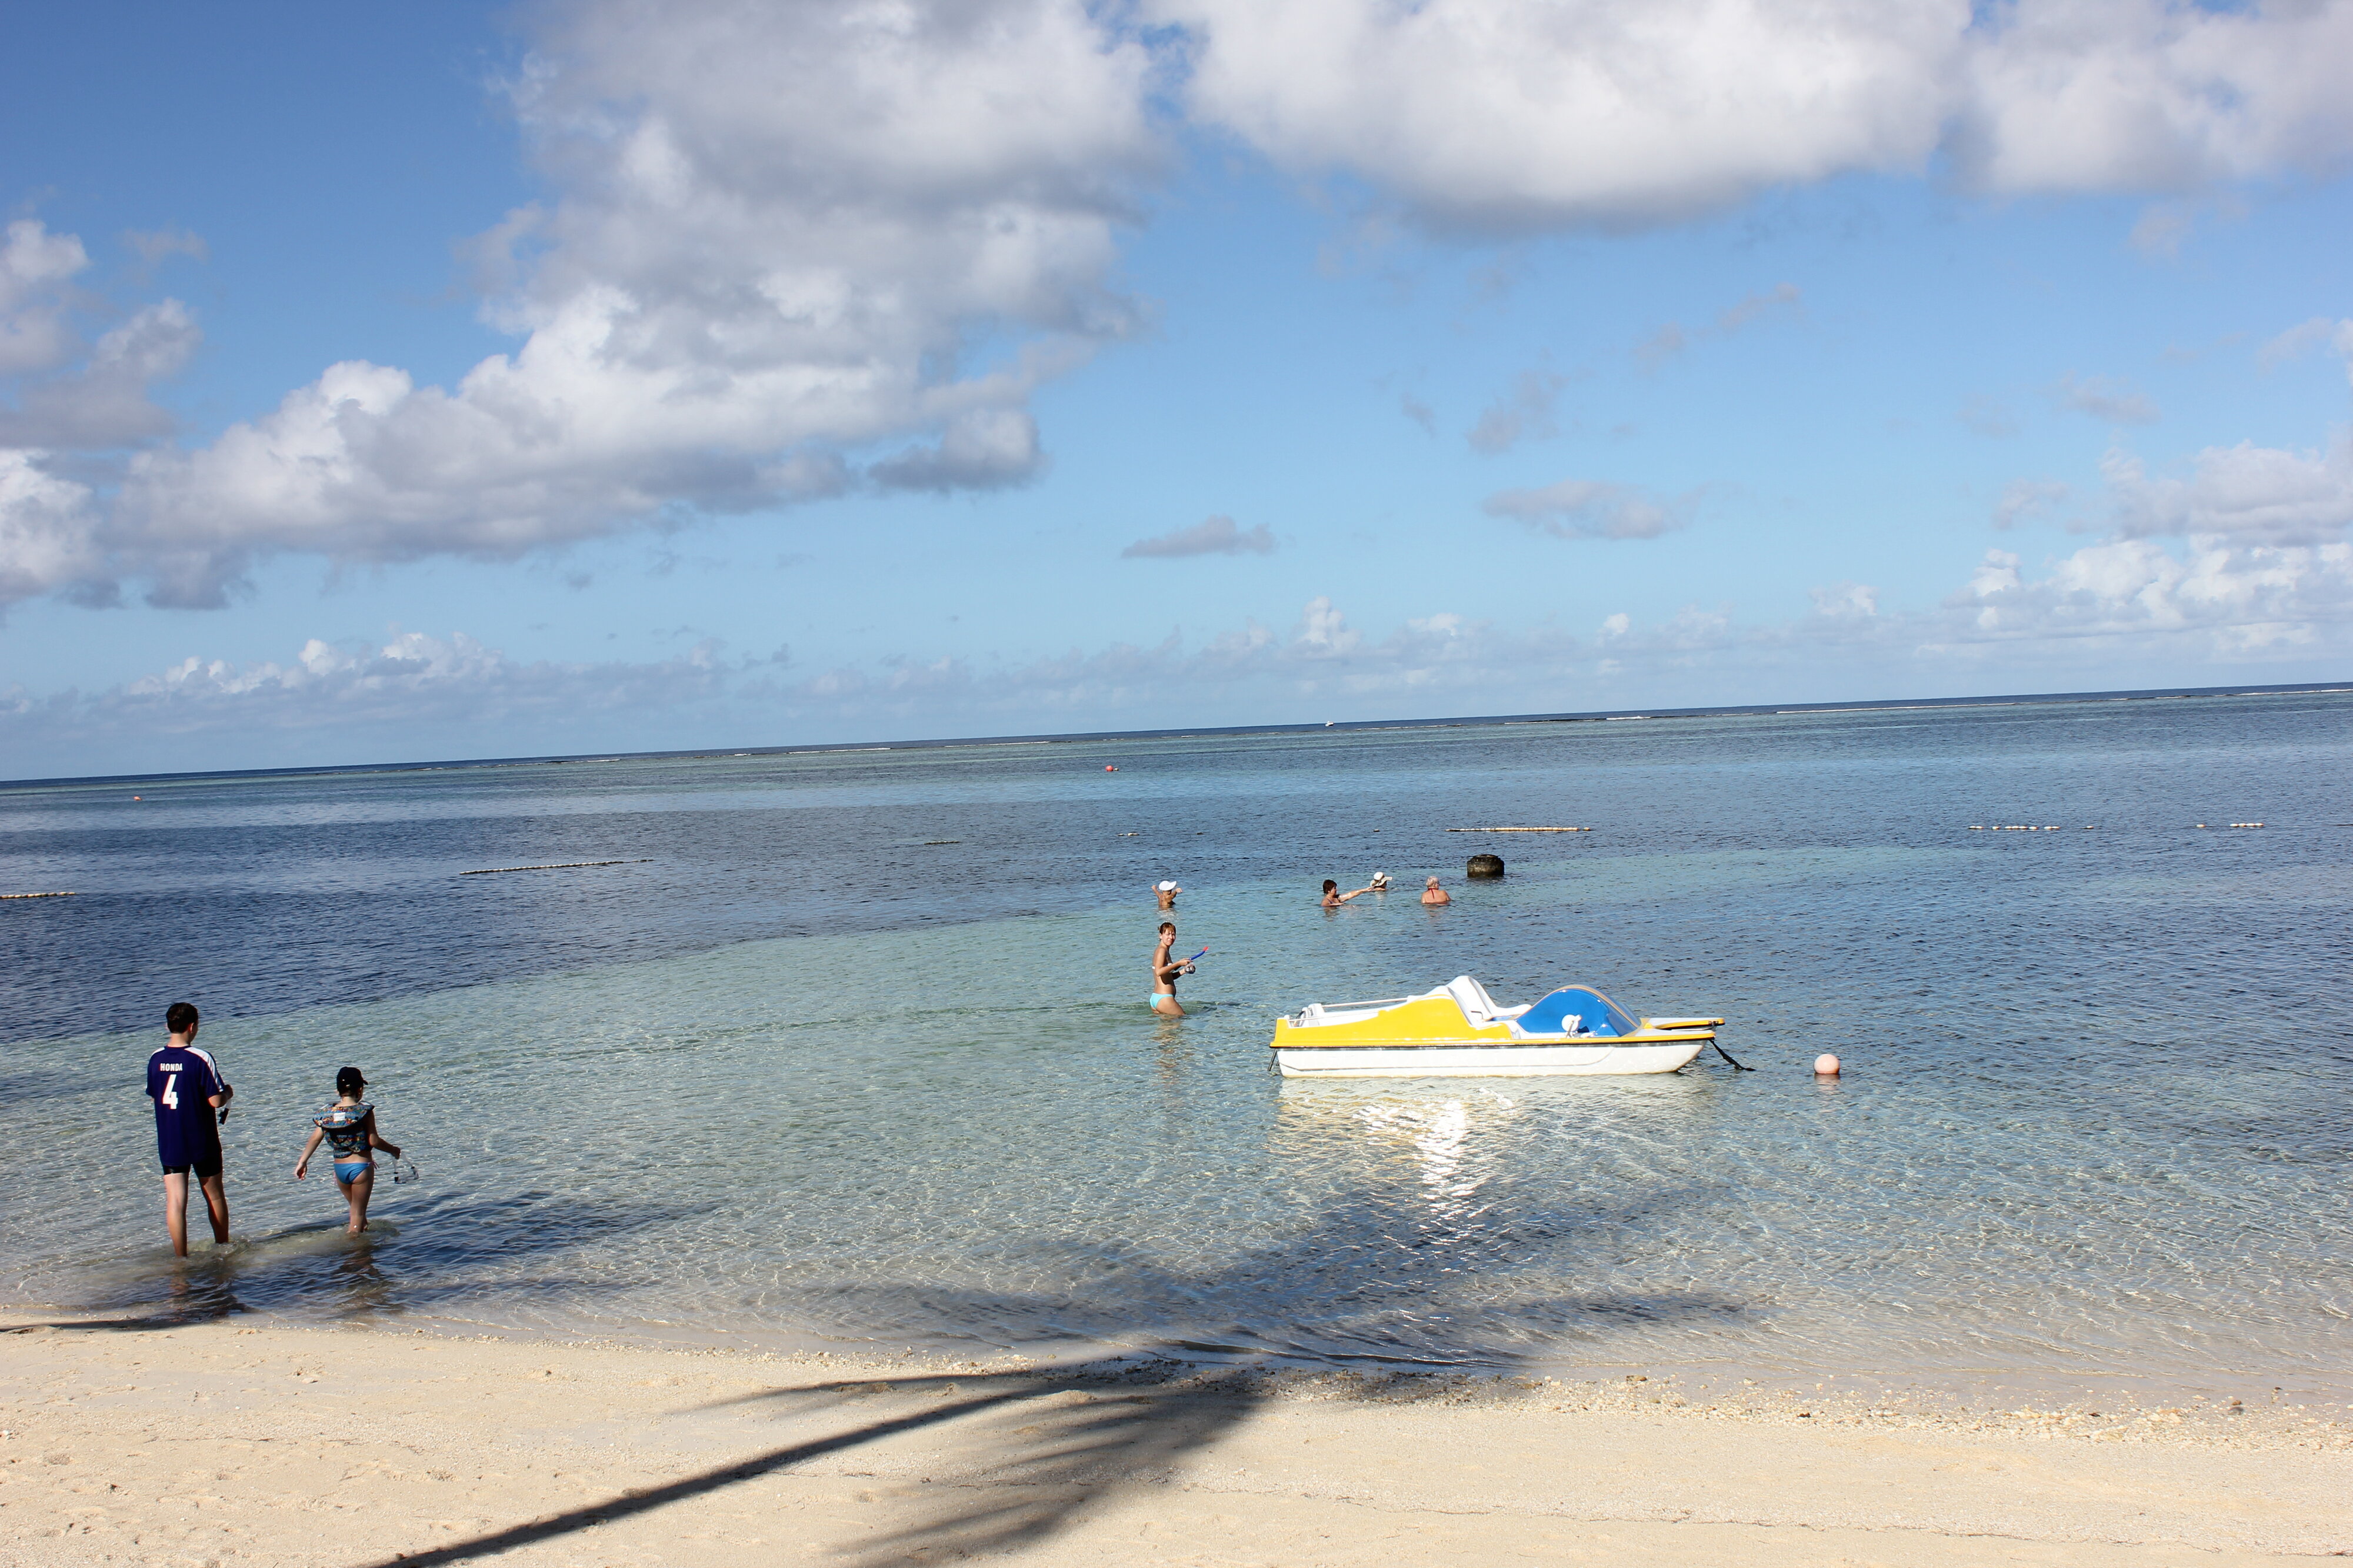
[205, 1169]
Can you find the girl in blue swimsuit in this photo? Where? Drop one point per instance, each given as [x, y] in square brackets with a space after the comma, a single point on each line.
[348, 1128]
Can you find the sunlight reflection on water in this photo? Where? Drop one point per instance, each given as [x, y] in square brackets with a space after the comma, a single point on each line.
[2095, 1122]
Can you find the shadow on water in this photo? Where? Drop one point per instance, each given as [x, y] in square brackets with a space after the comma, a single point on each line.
[326, 1272]
[1036, 1446]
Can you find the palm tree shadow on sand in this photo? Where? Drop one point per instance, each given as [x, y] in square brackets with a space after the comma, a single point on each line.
[1029, 1449]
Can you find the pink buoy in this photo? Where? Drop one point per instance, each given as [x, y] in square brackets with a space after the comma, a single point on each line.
[1826, 1066]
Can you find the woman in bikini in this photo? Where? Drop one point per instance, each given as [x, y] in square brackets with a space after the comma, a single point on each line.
[348, 1128]
[1164, 971]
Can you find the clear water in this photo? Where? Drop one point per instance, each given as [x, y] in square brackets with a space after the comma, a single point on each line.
[803, 1075]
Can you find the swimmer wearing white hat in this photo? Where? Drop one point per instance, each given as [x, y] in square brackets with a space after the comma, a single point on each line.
[1166, 893]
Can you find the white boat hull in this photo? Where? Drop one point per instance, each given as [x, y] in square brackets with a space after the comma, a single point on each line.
[1583, 1060]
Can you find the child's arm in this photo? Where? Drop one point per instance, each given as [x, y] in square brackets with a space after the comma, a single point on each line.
[303, 1164]
[376, 1138]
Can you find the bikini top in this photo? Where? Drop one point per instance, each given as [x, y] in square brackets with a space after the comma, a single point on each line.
[346, 1127]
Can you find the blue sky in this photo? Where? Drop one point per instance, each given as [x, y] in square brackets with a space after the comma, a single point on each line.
[904, 370]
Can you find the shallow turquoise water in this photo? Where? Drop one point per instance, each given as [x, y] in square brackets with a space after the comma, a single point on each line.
[2095, 1122]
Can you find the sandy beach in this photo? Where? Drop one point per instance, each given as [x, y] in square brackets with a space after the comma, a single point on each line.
[244, 1441]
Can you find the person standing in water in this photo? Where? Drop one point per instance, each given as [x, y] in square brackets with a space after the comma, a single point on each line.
[1164, 971]
[1333, 898]
[348, 1128]
[188, 1090]
[1431, 893]
[1166, 893]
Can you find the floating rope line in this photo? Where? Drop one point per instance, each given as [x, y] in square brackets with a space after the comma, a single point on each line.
[562, 866]
[36, 895]
[1521, 830]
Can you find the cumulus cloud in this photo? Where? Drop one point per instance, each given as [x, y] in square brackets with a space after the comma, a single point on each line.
[1528, 114]
[982, 449]
[46, 532]
[1210, 536]
[2108, 607]
[792, 250]
[2246, 493]
[2231, 599]
[777, 237]
[1593, 509]
[360, 699]
[36, 266]
[2098, 616]
[105, 402]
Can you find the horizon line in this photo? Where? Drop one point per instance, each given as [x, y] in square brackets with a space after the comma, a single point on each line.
[1719, 710]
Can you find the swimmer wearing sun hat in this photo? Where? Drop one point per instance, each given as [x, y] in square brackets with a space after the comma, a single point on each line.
[1166, 893]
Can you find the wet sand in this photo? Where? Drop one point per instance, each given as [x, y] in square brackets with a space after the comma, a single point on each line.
[247, 1441]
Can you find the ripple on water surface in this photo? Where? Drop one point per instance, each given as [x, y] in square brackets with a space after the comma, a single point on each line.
[2095, 1122]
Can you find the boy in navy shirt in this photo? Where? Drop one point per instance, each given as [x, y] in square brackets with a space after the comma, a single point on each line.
[187, 1088]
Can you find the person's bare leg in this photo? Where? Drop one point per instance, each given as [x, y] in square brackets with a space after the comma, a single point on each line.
[175, 1210]
[359, 1192]
[217, 1205]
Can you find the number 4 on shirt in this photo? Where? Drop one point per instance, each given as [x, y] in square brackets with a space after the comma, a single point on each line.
[172, 1089]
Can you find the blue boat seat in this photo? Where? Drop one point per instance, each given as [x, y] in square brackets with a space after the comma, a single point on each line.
[1575, 1010]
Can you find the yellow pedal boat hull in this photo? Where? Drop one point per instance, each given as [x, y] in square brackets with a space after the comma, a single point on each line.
[1433, 1037]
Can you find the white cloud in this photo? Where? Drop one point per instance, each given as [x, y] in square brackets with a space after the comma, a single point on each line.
[36, 266]
[2246, 493]
[2306, 335]
[2105, 615]
[1845, 601]
[45, 530]
[2227, 599]
[777, 235]
[1592, 508]
[413, 695]
[1210, 536]
[1523, 114]
[2077, 95]
[793, 249]
[104, 402]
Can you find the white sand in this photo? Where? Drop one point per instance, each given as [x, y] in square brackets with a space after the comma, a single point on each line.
[242, 1442]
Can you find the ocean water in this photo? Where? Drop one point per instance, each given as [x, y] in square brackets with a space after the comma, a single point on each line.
[853, 1049]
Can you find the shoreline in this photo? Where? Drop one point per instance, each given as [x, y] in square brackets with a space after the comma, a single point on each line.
[1952, 1394]
[352, 1445]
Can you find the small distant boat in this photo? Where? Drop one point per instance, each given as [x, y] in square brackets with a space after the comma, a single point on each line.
[1459, 1031]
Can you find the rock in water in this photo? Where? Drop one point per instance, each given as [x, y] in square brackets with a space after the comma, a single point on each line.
[1484, 866]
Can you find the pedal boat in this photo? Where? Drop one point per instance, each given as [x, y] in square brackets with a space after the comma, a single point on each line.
[1458, 1031]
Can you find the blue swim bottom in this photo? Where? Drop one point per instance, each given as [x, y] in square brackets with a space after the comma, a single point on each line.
[350, 1171]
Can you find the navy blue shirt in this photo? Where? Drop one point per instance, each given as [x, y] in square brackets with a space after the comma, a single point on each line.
[181, 1080]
